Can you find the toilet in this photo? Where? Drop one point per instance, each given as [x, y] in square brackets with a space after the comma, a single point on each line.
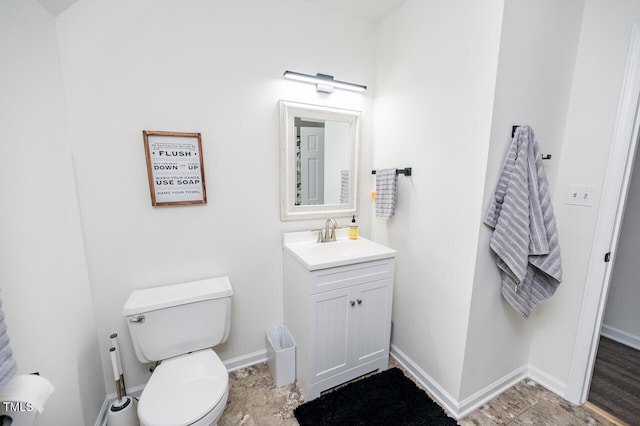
[178, 325]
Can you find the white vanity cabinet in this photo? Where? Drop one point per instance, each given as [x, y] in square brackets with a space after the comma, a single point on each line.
[340, 318]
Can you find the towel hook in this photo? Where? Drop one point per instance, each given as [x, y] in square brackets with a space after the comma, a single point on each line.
[513, 133]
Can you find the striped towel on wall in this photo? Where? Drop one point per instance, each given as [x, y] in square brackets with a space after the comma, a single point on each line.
[386, 193]
[525, 238]
[344, 186]
[8, 366]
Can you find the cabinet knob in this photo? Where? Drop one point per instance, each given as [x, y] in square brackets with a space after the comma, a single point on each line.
[359, 301]
[351, 302]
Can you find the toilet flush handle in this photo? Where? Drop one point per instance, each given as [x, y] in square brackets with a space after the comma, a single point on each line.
[139, 318]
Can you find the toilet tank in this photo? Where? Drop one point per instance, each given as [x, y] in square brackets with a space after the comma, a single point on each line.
[177, 319]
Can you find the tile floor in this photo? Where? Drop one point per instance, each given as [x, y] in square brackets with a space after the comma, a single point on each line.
[255, 401]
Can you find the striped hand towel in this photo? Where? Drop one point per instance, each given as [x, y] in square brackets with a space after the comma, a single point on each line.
[386, 193]
[525, 238]
[8, 366]
[344, 186]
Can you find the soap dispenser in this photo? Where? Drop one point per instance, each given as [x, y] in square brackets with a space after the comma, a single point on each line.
[353, 229]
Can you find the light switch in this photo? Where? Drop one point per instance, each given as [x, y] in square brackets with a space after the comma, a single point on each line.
[581, 195]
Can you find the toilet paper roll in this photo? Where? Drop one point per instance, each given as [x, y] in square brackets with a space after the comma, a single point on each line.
[28, 388]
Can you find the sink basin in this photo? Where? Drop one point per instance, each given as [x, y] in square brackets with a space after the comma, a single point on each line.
[313, 255]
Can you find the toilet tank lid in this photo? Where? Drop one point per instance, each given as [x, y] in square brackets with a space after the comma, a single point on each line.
[151, 299]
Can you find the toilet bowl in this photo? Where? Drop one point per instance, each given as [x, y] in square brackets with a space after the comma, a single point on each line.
[179, 325]
[189, 389]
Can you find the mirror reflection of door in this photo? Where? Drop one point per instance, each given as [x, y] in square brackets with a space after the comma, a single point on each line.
[312, 165]
[336, 162]
[322, 157]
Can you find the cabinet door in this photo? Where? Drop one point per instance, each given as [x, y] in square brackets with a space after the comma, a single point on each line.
[328, 328]
[371, 326]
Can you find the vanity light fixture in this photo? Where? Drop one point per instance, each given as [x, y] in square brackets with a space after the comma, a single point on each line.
[324, 83]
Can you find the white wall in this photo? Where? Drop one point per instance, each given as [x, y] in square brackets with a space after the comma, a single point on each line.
[199, 66]
[622, 316]
[600, 62]
[537, 57]
[435, 80]
[43, 274]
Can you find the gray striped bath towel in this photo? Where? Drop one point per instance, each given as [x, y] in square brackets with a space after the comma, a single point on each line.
[386, 193]
[344, 186]
[8, 366]
[525, 238]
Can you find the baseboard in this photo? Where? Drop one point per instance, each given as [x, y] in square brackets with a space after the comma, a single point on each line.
[547, 381]
[460, 409]
[231, 364]
[436, 391]
[246, 360]
[478, 399]
[620, 336]
[102, 414]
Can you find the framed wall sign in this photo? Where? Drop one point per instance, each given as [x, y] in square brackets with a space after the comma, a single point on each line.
[174, 167]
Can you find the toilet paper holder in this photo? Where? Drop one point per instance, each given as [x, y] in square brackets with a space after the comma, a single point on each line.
[23, 398]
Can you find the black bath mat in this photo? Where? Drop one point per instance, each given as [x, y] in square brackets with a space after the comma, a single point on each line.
[385, 399]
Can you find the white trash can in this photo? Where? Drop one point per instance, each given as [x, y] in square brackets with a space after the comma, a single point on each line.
[281, 355]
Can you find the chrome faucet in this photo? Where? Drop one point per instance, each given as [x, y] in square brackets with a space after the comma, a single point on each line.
[329, 231]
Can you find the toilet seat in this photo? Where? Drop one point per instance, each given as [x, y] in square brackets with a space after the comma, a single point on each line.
[184, 389]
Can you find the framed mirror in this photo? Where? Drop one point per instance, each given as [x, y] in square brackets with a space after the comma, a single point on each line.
[318, 161]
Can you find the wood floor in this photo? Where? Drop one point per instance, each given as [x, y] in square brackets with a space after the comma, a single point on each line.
[615, 386]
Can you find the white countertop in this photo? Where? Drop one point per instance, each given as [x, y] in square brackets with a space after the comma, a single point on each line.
[313, 255]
